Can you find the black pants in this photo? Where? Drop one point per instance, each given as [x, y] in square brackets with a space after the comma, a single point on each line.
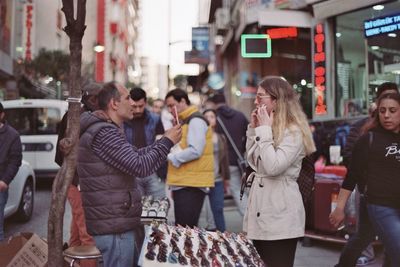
[188, 202]
[277, 253]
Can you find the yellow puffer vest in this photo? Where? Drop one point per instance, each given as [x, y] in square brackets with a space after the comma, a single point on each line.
[196, 173]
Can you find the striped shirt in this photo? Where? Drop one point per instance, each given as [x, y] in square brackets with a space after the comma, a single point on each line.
[111, 146]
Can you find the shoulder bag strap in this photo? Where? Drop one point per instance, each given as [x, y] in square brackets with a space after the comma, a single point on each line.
[230, 138]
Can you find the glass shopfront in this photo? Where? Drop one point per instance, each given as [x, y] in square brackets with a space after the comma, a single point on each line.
[367, 53]
[292, 59]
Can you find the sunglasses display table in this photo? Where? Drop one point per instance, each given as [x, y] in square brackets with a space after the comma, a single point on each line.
[166, 245]
[154, 210]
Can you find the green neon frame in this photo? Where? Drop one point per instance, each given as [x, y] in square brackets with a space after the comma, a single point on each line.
[255, 55]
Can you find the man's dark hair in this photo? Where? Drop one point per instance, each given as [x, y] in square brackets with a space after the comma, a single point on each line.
[1, 108]
[178, 94]
[108, 92]
[385, 87]
[217, 98]
[90, 90]
[137, 94]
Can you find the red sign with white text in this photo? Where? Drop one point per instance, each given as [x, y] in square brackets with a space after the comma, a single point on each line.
[280, 33]
[28, 29]
[320, 70]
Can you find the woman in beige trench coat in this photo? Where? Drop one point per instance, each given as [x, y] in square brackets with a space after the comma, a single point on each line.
[278, 138]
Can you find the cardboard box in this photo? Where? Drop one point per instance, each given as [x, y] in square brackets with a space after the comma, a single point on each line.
[26, 249]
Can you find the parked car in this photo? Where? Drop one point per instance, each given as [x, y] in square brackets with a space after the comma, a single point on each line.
[21, 193]
[36, 121]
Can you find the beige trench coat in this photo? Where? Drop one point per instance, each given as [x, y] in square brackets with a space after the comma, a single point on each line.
[275, 208]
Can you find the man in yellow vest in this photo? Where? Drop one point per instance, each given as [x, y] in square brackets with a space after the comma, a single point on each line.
[190, 163]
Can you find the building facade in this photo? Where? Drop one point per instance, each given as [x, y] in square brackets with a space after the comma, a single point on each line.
[108, 45]
[334, 53]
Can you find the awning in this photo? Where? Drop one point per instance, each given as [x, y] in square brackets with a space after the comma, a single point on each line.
[332, 8]
[285, 18]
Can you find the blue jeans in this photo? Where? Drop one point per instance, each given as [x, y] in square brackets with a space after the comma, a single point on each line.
[151, 185]
[216, 196]
[117, 249]
[360, 240]
[386, 221]
[3, 201]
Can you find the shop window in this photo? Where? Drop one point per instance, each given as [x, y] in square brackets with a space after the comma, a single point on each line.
[291, 58]
[363, 63]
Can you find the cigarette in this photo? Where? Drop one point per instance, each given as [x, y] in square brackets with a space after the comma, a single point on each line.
[340, 227]
[176, 115]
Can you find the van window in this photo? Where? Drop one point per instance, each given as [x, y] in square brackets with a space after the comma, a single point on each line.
[34, 121]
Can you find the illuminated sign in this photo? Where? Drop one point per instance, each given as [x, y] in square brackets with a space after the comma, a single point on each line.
[382, 25]
[256, 46]
[280, 33]
[319, 70]
[28, 23]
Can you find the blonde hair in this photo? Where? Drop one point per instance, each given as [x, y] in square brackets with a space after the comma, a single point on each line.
[288, 111]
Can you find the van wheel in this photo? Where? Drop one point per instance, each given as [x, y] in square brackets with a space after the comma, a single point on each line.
[25, 208]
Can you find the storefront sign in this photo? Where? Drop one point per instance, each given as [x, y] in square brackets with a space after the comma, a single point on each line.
[28, 29]
[382, 25]
[280, 33]
[256, 46]
[320, 70]
[200, 53]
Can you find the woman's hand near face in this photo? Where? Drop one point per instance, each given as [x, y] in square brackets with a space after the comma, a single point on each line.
[263, 117]
[253, 119]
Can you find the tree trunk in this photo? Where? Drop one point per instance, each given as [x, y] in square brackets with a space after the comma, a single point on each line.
[75, 30]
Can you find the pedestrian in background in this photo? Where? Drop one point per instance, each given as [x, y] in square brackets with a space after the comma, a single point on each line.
[107, 167]
[10, 160]
[191, 163]
[358, 250]
[236, 124]
[78, 232]
[158, 107]
[278, 138]
[215, 200]
[142, 131]
[375, 164]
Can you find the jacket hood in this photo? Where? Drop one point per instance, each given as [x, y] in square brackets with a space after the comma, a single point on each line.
[226, 111]
[87, 119]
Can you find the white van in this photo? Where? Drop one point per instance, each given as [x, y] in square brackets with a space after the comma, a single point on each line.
[36, 121]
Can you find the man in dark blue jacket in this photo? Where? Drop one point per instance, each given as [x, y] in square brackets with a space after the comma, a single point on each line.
[142, 131]
[10, 160]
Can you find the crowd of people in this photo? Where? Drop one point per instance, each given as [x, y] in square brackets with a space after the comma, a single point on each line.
[129, 149]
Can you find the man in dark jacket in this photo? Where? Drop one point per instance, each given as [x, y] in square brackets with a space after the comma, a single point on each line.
[236, 123]
[141, 131]
[10, 160]
[107, 167]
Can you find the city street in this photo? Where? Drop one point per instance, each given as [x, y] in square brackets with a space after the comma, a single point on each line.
[320, 254]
